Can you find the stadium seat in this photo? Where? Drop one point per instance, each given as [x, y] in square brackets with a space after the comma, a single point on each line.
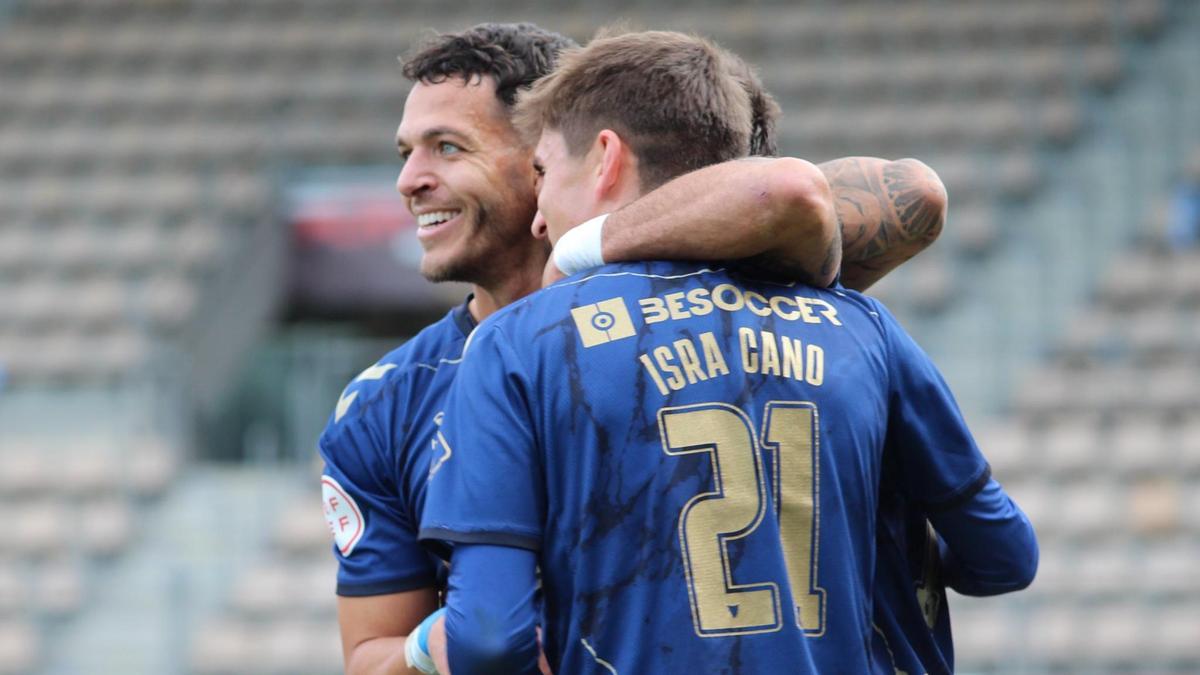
[301, 528]
[1110, 389]
[1138, 444]
[1154, 506]
[1154, 334]
[58, 588]
[1090, 510]
[150, 464]
[97, 302]
[106, 526]
[975, 232]
[1187, 440]
[38, 301]
[223, 648]
[134, 246]
[167, 301]
[1052, 635]
[40, 527]
[1172, 632]
[1044, 392]
[1100, 571]
[25, 470]
[20, 647]
[1168, 568]
[87, 469]
[1091, 335]
[1070, 446]
[1114, 633]
[1183, 279]
[1134, 282]
[295, 646]
[286, 588]
[263, 591]
[13, 591]
[1144, 17]
[116, 353]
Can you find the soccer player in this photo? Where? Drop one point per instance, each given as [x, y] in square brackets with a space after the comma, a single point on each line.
[466, 163]
[691, 455]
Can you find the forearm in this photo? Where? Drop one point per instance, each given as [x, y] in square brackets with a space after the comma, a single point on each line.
[778, 209]
[988, 544]
[889, 212]
[490, 627]
[374, 629]
[379, 656]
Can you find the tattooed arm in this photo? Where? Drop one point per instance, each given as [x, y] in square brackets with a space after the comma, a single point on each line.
[889, 211]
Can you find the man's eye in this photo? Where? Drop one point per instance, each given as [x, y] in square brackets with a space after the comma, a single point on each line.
[448, 148]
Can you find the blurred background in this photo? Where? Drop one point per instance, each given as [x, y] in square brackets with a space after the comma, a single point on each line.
[200, 245]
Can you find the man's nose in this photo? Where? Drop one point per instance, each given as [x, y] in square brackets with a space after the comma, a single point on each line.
[416, 177]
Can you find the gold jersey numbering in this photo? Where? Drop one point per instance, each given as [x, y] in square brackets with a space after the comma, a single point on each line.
[737, 505]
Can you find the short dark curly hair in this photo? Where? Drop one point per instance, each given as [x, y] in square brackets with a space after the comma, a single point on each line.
[515, 54]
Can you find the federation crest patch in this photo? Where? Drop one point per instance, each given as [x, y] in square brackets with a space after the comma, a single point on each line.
[342, 514]
[603, 322]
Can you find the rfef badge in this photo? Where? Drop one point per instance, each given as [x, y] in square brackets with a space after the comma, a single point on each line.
[603, 322]
[342, 514]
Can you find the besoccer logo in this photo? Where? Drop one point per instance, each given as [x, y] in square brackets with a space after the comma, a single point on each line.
[603, 322]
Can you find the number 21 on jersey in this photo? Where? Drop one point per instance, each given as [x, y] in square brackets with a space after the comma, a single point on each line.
[736, 507]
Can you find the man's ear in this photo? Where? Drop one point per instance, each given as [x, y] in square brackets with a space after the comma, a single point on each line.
[613, 164]
[539, 228]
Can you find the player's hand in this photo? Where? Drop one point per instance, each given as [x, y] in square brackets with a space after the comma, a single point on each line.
[551, 274]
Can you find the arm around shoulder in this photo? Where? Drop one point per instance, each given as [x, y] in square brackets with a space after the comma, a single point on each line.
[775, 210]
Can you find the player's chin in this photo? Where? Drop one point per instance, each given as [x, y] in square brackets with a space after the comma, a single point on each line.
[447, 265]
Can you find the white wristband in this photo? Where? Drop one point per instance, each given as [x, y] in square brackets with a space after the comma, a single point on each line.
[579, 248]
[416, 646]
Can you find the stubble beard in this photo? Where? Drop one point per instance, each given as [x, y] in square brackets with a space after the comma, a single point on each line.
[483, 259]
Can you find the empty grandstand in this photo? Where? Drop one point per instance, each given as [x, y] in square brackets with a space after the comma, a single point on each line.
[162, 378]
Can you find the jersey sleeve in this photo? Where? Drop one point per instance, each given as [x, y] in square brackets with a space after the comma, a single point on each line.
[490, 627]
[988, 545]
[937, 462]
[375, 535]
[488, 487]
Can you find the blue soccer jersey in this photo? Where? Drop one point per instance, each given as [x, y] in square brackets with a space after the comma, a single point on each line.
[696, 458]
[377, 448]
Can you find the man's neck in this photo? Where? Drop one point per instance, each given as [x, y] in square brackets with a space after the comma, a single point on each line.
[515, 286]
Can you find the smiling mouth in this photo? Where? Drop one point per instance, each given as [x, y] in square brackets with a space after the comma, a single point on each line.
[435, 218]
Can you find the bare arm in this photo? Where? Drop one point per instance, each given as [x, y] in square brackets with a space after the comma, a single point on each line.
[778, 211]
[889, 211]
[374, 629]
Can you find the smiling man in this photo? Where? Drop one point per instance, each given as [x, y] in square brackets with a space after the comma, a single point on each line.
[469, 178]
[690, 455]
